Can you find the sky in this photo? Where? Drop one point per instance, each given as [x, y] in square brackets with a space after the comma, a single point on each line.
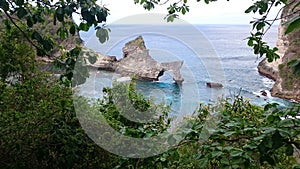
[220, 12]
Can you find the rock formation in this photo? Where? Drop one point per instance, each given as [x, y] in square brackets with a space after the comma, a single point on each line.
[101, 62]
[174, 68]
[214, 85]
[137, 62]
[287, 85]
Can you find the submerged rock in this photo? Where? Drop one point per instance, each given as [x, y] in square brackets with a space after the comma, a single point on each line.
[124, 79]
[264, 93]
[214, 85]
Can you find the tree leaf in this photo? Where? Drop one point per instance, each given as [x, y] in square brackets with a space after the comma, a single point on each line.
[277, 140]
[4, 5]
[62, 32]
[260, 25]
[72, 29]
[29, 22]
[229, 133]
[59, 13]
[297, 69]
[84, 26]
[35, 35]
[47, 45]
[286, 123]
[92, 59]
[21, 12]
[296, 166]
[250, 42]
[216, 154]
[183, 11]
[170, 18]
[263, 7]
[86, 15]
[289, 150]
[293, 25]
[224, 161]
[203, 163]
[293, 62]
[20, 2]
[236, 153]
[102, 35]
[60, 10]
[251, 8]
[102, 15]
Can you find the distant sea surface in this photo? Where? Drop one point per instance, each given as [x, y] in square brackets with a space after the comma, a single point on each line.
[203, 48]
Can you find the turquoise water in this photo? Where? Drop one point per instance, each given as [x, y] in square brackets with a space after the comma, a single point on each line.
[216, 53]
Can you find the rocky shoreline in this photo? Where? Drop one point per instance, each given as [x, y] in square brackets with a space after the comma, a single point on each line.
[287, 85]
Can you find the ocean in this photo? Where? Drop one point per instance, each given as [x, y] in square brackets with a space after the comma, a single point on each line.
[211, 53]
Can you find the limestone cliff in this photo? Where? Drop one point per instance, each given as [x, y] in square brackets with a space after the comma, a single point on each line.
[287, 84]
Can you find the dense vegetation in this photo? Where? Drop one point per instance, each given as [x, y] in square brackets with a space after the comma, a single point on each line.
[39, 127]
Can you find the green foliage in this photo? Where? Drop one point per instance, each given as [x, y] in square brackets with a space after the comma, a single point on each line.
[246, 136]
[290, 72]
[261, 27]
[102, 33]
[74, 67]
[295, 63]
[293, 25]
[38, 123]
[39, 128]
[37, 11]
[295, 22]
[16, 57]
[127, 111]
[262, 48]
[27, 16]
[250, 137]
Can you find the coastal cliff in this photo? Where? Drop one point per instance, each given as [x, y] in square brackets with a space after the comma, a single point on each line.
[287, 83]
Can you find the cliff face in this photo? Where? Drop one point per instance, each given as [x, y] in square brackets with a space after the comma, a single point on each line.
[287, 84]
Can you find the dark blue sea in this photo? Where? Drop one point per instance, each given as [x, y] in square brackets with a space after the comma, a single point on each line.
[211, 53]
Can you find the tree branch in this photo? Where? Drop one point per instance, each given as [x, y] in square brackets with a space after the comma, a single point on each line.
[25, 35]
[163, 3]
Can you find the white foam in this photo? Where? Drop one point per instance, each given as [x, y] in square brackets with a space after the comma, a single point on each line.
[268, 82]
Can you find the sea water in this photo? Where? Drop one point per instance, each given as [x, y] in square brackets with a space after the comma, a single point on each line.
[217, 53]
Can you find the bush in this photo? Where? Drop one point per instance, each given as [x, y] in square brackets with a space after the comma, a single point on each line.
[16, 56]
[241, 135]
[39, 128]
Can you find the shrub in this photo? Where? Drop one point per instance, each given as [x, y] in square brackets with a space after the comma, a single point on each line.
[39, 128]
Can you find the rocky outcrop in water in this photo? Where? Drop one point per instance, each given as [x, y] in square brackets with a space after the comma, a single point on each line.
[174, 68]
[138, 63]
[101, 62]
[287, 85]
[214, 85]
